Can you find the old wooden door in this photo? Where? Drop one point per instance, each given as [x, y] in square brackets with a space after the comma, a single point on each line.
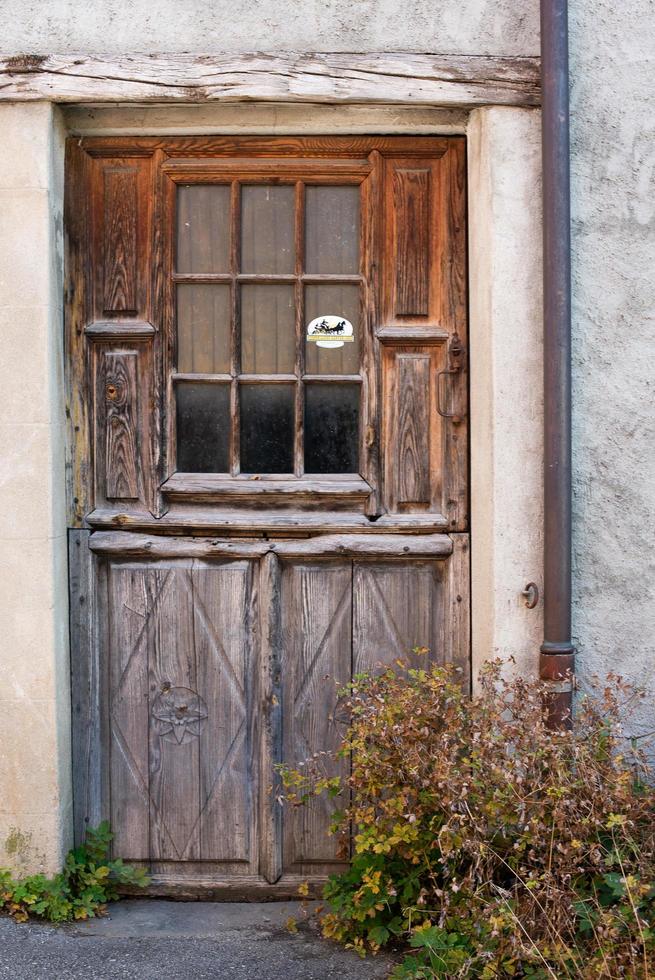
[268, 474]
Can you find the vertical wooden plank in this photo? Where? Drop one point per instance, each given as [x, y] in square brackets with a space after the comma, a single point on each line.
[120, 240]
[221, 597]
[455, 314]
[121, 413]
[129, 612]
[176, 714]
[316, 629]
[371, 211]
[78, 290]
[236, 224]
[411, 220]
[299, 299]
[453, 257]
[268, 708]
[86, 687]
[457, 606]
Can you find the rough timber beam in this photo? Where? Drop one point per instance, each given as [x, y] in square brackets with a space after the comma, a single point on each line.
[420, 79]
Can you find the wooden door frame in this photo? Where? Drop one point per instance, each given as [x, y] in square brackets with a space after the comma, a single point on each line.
[505, 486]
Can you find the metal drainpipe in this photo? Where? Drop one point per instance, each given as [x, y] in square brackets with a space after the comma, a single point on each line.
[556, 662]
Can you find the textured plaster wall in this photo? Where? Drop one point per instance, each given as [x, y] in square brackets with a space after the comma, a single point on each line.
[613, 166]
[119, 26]
[35, 794]
[613, 163]
[505, 312]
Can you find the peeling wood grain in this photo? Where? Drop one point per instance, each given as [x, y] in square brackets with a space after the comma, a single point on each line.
[411, 197]
[426, 79]
[86, 686]
[191, 520]
[127, 545]
[269, 718]
[120, 240]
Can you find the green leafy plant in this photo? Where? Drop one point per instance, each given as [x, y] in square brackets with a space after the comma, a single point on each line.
[481, 841]
[88, 881]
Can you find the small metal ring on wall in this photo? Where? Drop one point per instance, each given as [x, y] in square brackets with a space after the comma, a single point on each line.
[531, 595]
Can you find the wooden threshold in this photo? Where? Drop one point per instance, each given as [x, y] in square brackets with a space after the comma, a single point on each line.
[248, 888]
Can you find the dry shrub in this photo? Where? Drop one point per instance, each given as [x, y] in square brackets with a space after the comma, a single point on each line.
[491, 845]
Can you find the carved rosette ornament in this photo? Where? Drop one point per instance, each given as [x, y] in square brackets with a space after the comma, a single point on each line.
[178, 714]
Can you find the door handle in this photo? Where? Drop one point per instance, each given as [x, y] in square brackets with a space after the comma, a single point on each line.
[456, 360]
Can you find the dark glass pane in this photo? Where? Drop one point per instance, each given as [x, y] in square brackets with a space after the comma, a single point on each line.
[203, 428]
[332, 428]
[267, 229]
[203, 329]
[268, 329]
[332, 230]
[267, 429]
[203, 228]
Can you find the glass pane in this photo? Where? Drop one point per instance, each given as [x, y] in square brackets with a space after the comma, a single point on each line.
[336, 300]
[203, 228]
[267, 429]
[268, 329]
[332, 230]
[203, 428]
[332, 428]
[203, 328]
[267, 229]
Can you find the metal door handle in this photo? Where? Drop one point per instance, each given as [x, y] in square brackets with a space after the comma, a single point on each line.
[456, 358]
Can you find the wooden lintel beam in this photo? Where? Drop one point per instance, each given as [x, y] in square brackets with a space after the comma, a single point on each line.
[342, 78]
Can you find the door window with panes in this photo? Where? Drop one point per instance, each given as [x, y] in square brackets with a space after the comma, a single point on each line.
[255, 264]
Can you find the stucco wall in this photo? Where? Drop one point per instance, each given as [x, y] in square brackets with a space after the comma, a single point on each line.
[613, 162]
[109, 26]
[613, 165]
[35, 785]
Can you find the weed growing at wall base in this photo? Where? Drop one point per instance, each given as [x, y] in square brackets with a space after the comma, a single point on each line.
[88, 881]
[483, 843]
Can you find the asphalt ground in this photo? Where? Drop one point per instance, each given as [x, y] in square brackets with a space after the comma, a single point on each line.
[150, 939]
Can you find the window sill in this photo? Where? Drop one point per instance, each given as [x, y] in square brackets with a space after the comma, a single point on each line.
[347, 489]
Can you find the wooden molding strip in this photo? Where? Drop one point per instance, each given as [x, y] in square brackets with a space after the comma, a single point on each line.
[259, 521]
[183, 169]
[120, 330]
[128, 545]
[412, 335]
[212, 486]
[392, 78]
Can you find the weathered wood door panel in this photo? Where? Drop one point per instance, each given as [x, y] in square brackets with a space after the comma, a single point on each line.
[340, 619]
[317, 662]
[181, 662]
[268, 475]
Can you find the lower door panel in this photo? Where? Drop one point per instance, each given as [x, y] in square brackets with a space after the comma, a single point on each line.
[180, 662]
[195, 671]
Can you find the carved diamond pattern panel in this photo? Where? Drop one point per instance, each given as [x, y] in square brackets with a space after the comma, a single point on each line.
[316, 629]
[179, 661]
